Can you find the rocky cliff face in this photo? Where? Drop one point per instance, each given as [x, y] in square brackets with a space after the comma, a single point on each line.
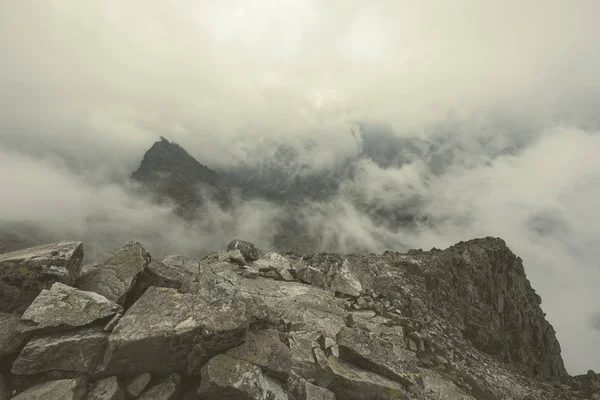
[170, 173]
[462, 323]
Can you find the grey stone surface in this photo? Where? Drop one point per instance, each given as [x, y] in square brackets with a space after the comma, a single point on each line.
[64, 389]
[301, 346]
[310, 275]
[378, 355]
[106, 389]
[78, 351]
[63, 306]
[168, 388]
[165, 332]
[301, 389]
[248, 250]
[136, 385]
[25, 273]
[11, 339]
[347, 381]
[117, 275]
[347, 279]
[272, 356]
[225, 377]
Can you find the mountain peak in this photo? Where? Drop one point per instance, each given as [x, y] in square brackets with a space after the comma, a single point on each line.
[170, 172]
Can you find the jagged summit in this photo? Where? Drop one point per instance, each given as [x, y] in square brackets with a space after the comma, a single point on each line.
[169, 172]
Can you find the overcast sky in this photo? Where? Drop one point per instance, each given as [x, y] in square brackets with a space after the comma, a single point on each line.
[87, 86]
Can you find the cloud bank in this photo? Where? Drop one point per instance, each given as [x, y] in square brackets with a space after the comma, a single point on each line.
[480, 117]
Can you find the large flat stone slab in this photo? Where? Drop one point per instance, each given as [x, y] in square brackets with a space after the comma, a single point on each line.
[166, 331]
[349, 382]
[25, 273]
[77, 351]
[65, 307]
[372, 353]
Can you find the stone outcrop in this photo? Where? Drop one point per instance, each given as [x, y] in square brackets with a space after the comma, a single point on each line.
[25, 273]
[458, 324]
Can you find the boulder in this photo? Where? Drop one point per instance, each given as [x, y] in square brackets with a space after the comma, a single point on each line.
[301, 347]
[63, 306]
[25, 273]
[310, 275]
[136, 385]
[349, 382]
[168, 388]
[301, 389]
[160, 275]
[314, 392]
[248, 250]
[78, 351]
[347, 279]
[271, 355]
[11, 339]
[181, 263]
[64, 389]
[166, 331]
[225, 377]
[372, 353]
[106, 389]
[117, 275]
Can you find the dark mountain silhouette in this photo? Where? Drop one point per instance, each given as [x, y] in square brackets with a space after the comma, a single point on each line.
[169, 172]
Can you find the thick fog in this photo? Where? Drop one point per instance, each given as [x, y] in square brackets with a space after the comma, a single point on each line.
[506, 92]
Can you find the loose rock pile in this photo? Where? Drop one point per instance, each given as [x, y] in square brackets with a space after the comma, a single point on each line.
[463, 323]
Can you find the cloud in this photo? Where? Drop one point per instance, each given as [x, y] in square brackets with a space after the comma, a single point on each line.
[105, 215]
[480, 118]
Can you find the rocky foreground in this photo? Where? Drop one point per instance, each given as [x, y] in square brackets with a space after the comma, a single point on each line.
[462, 323]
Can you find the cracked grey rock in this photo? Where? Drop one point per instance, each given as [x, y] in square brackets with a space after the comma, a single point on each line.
[78, 351]
[106, 389]
[225, 377]
[25, 273]
[116, 276]
[272, 356]
[63, 306]
[64, 389]
[166, 331]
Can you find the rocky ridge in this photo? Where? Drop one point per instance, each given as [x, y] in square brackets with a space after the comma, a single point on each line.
[244, 323]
